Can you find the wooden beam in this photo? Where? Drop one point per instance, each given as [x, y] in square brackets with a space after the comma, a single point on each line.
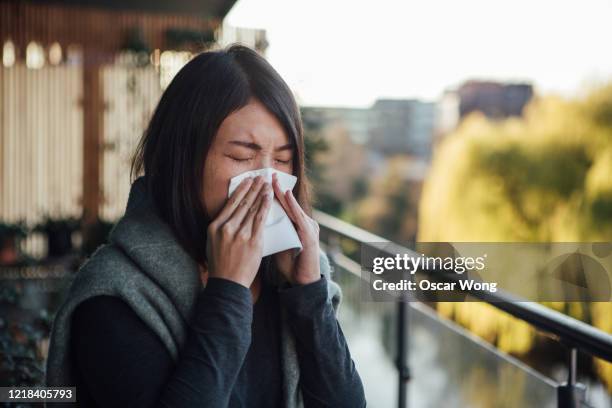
[93, 131]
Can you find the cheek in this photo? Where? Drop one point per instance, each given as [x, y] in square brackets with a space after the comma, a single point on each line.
[216, 182]
[286, 168]
[218, 172]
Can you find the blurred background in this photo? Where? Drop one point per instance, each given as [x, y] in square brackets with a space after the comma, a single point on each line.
[484, 121]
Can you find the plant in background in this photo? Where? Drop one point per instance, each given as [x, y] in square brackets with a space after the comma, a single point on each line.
[59, 232]
[544, 177]
[23, 342]
[181, 38]
[10, 237]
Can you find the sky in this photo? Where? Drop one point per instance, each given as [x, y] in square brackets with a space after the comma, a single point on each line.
[351, 52]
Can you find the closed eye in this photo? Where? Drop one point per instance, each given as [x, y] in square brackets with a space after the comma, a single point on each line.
[240, 160]
[284, 161]
[251, 158]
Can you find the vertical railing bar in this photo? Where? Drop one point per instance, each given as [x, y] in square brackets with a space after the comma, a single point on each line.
[573, 366]
[402, 352]
[572, 394]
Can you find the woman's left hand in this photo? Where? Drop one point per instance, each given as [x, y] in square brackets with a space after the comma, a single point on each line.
[305, 267]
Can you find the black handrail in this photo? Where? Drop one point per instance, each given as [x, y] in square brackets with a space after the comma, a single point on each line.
[576, 335]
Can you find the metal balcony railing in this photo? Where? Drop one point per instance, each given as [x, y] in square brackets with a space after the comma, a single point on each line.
[574, 334]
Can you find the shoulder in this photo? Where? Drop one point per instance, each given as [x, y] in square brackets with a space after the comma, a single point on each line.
[108, 257]
[107, 271]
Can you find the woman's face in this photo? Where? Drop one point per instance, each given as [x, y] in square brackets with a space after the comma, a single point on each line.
[250, 138]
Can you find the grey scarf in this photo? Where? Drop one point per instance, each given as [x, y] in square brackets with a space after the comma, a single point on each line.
[144, 265]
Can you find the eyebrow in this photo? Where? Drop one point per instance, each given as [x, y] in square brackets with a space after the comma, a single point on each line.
[255, 146]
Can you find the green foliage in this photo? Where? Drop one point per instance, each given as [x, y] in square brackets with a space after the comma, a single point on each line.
[546, 177]
[314, 145]
[21, 361]
[390, 206]
[17, 230]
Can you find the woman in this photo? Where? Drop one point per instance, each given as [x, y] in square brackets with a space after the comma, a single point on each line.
[179, 309]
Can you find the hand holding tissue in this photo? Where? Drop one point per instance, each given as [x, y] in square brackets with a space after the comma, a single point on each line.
[279, 233]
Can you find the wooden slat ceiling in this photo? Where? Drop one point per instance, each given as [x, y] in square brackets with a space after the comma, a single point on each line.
[202, 8]
[105, 30]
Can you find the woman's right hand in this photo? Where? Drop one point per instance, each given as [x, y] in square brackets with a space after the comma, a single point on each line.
[234, 245]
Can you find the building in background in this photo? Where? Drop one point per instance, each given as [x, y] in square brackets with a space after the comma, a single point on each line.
[254, 38]
[402, 126]
[356, 121]
[496, 100]
[388, 127]
[447, 113]
[374, 154]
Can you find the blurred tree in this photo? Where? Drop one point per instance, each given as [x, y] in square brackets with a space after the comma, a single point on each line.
[335, 164]
[544, 177]
[390, 207]
[23, 343]
[315, 146]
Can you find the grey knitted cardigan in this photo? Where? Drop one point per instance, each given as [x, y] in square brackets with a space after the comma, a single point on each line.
[144, 265]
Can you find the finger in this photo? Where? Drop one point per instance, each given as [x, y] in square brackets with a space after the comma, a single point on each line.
[262, 214]
[234, 200]
[297, 211]
[238, 216]
[247, 224]
[307, 228]
[278, 192]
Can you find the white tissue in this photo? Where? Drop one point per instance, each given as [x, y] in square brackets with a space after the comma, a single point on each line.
[279, 233]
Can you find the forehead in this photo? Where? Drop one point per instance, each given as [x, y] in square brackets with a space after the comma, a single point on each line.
[255, 123]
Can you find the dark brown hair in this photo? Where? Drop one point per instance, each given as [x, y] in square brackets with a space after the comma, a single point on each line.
[174, 147]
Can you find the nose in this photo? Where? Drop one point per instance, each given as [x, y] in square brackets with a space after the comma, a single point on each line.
[265, 160]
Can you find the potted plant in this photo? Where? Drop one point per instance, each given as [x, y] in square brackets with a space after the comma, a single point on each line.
[10, 236]
[23, 342]
[59, 234]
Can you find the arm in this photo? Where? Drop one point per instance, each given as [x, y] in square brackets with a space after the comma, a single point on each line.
[328, 375]
[124, 363]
